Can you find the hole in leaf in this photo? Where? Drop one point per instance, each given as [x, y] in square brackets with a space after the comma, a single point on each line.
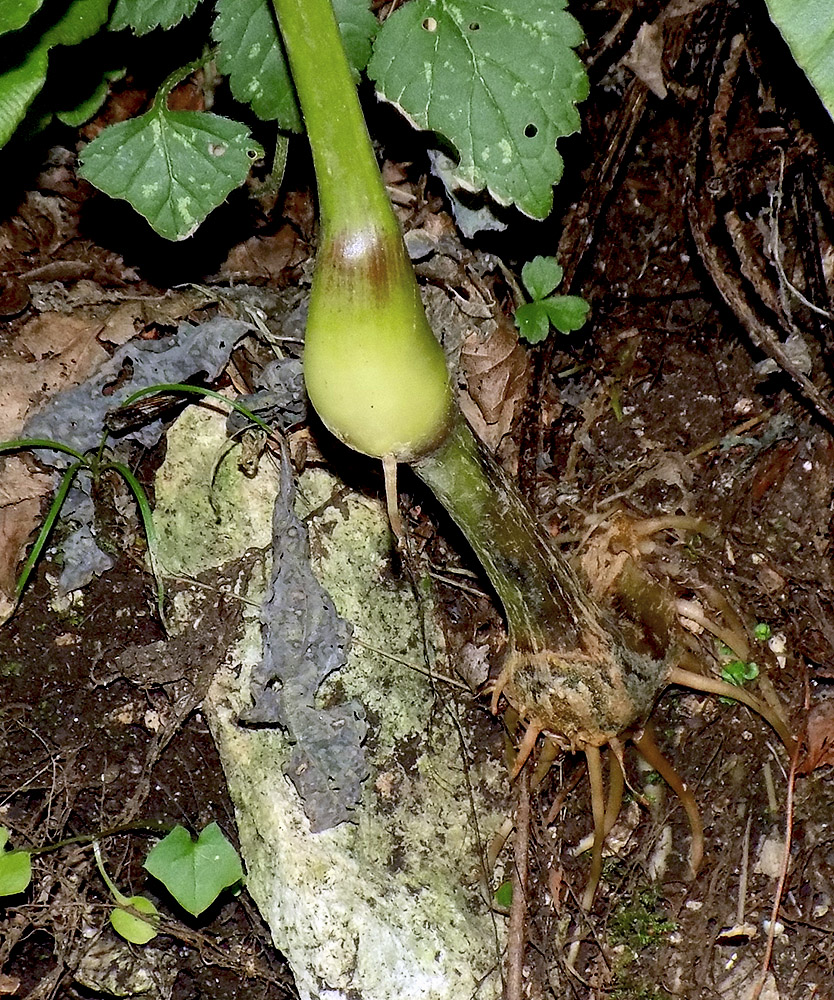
[430, 24]
[531, 131]
[474, 26]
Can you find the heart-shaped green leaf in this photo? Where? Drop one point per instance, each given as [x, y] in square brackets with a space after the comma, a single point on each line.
[252, 56]
[18, 88]
[15, 867]
[20, 84]
[15, 13]
[195, 872]
[81, 20]
[139, 927]
[145, 15]
[808, 28]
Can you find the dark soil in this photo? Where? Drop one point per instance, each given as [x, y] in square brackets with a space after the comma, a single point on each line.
[661, 406]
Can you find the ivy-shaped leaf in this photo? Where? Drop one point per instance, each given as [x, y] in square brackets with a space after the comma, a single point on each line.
[252, 56]
[195, 872]
[808, 28]
[499, 81]
[174, 167]
[15, 867]
[145, 15]
[15, 13]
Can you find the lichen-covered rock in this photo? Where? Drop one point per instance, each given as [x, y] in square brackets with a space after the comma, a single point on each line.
[392, 904]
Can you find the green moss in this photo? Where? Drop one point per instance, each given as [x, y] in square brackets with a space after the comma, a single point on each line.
[11, 668]
[638, 923]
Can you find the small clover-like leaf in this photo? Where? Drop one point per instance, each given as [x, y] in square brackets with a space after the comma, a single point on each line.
[145, 15]
[174, 167]
[566, 312]
[195, 872]
[15, 867]
[499, 81]
[533, 322]
[504, 894]
[541, 276]
[762, 632]
[737, 672]
[252, 56]
[139, 927]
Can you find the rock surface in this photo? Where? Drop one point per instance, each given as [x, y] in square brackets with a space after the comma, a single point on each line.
[391, 905]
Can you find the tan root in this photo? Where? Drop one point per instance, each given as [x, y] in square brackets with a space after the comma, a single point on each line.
[602, 693]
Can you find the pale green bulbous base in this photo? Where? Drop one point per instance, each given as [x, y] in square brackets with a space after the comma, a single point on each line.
[374, 371]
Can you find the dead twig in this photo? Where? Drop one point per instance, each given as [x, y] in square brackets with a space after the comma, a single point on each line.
[516, 933]
[709, 179]
[786, 861]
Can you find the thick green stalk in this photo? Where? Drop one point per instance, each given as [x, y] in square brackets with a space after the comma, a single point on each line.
[374, 371]
[567, 669]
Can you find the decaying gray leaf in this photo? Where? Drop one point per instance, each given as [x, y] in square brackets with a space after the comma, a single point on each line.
[77, 417]
[304, 641]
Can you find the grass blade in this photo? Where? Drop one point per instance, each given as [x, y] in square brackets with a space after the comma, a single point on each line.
[146, 514]
[49, 520]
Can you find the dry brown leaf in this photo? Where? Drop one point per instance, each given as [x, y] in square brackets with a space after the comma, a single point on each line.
[818, 745]
[496, 376]
[135, 314]
[645, 58]
[21, 493]
[264, 257]
[65, 350]
[71, 337]
[9, 984]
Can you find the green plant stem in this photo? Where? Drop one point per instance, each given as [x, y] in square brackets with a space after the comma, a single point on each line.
[377, 377]
[174, 79]
[539, 590]
[351, 194]
[567, 669]
[374, 371]
[120, 898]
